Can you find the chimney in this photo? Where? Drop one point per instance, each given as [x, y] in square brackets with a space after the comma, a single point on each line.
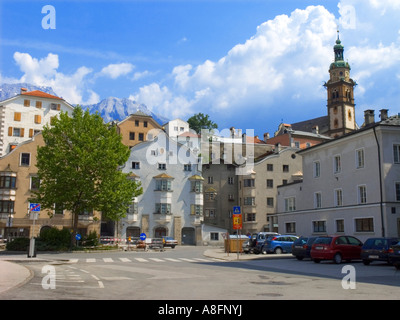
[369, 117]
[383, 114]
[266, 136]
[278, 147]
[23, 90]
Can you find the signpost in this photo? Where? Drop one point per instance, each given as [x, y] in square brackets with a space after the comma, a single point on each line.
[237, 224]
[33, 209]
[142, 236]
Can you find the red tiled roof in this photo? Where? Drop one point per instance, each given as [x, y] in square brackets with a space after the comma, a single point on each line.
[41, 94]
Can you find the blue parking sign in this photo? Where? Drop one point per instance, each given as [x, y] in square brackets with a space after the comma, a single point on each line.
[34, 207]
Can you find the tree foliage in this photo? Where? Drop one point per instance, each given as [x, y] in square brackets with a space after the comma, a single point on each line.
[200, 121]
[78, 167]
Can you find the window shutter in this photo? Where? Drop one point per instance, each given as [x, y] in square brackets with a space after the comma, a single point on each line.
[58, 107]
[30, 133]
[39, 104]
[10, 131]
[22, 132]
[38, 118]
[17, 116]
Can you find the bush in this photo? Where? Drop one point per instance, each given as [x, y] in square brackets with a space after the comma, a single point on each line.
[91, 239]
[53, 239]
[18, 244]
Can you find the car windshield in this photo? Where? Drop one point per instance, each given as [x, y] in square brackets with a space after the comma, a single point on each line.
[324, 240]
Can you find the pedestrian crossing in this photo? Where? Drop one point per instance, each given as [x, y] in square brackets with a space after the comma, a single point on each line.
[140, 260]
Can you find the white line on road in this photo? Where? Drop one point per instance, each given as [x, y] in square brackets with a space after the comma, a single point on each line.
[108, 260]
[156, 260]
[141, 260]
[125, 259]
[90, 260]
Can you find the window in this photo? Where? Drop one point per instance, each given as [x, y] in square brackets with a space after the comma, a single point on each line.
[362, 194]
[360, 158]
[337, 167]
[231, 197]
[270, 183]
[6, 206]
[187, 167]
[285, 168]
[290, 227]
[231, 180]
[131, 135]
[210, 195]
[249, 201]
[270, 202]
[340, 225]
[145, 124]
[290, 204]
[16, 132]
[317, 169]
[210, 180]
[214, 236]
[396, 153]
[136, 123]
[7, 182]
[319, 226]
[38, 119]
[317, 200]
[141, 137]
[39, 104]
[248, 182]
[162, 166]
[364, 225]
[27, 103]
[163, 185]
[58, 208]
[338, 197]
[163, 208]
[25, 159]
[397, 190]
[35, 183]
[196, 210]
[270, 167]
[210, 213]
[250, 217]
[197, 186]
[135, 165]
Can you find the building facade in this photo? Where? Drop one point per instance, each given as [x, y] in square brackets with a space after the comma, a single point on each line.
[172, 199]
[18, 178]
[24, 115]
[351, 185]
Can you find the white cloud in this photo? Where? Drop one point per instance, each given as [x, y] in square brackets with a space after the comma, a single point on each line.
[43, 72]
[116, 70]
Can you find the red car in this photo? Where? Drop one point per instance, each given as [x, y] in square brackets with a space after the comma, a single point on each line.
[336, 248]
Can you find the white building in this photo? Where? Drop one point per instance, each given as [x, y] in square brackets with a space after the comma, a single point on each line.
[24, 115]
[176, 127]
[172, 199]
[351, 185]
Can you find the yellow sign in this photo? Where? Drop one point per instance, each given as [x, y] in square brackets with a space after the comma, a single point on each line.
[237, 222]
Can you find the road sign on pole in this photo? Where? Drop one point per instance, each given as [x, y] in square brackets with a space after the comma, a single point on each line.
[142, 236]
[34, 207]
[237, 218]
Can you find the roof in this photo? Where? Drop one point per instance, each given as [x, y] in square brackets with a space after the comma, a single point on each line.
[196, 177]
[41, 94]
[163, 176]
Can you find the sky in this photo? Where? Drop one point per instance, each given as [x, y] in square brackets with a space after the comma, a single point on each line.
[250, 64]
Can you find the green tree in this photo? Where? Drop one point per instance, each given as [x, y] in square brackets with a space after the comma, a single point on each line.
[78, 167]
[200, 121]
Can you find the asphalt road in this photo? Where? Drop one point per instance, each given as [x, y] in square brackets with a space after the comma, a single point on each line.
[184, 273]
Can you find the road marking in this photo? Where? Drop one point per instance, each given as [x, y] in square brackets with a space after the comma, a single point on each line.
[201, 259]
[156, 259]
[141, 260]
[125, 259]
[188, 260]
[90, 260]
[108, 260]
[73, 261]
[173, 260]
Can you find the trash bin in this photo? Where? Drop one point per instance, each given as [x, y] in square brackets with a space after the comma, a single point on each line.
[232, 243]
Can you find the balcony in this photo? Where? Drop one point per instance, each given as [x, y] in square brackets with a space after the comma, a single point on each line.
[162, 218]
[196, 219]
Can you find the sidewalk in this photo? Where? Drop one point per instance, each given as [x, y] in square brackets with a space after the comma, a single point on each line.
[13, 274]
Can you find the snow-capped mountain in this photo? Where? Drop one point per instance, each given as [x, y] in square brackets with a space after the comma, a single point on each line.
[110, 108]
[119, 108]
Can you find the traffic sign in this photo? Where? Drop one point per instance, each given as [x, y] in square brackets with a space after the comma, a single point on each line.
[78, 237]
[237, 218]
[142, 236]
[34, 207]
[236, 210]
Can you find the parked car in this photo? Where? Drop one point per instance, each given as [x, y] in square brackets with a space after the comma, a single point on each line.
[302, 246]
[170, 242]
[155, 243]
[336, 248]
[248, 246]
[377, 249]
[279, 244]
[394, 255]
[260, 240]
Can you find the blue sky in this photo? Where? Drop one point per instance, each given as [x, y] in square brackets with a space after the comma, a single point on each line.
[250, 64]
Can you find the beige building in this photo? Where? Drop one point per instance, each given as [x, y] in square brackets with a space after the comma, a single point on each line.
[18, 177]
[135, 128]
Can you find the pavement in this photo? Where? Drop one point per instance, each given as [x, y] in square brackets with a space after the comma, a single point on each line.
[14, 274]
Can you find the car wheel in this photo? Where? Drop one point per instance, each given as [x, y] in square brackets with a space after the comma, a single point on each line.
[366, 262]
[299, 258]
[337, 258]
[316, 260]
[278, 250]
[172, 246]
[263, 251]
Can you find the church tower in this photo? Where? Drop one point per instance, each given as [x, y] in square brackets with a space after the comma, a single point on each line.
[340, 88]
